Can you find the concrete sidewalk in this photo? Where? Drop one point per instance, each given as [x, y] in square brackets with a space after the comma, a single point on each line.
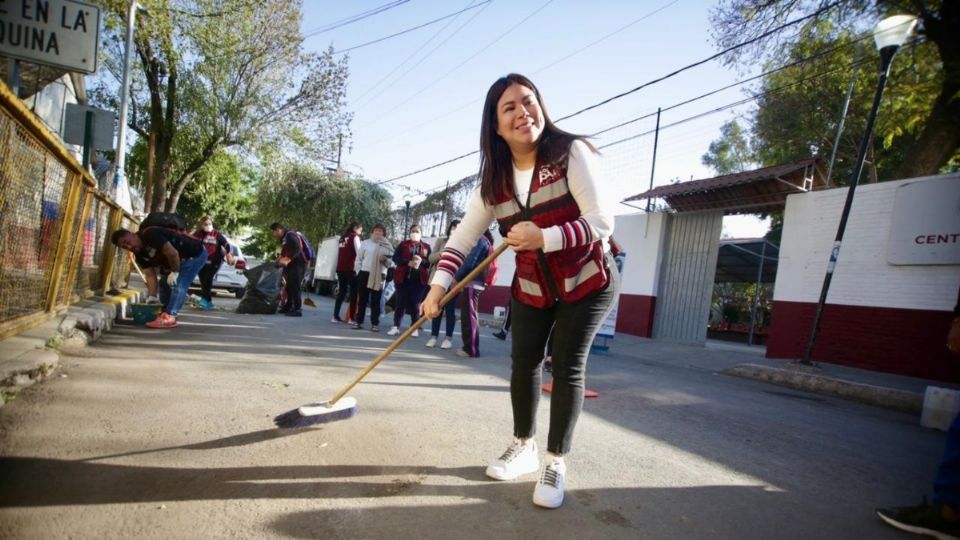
[30, 356]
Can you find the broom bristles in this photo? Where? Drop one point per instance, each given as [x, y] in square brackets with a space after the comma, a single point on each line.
[316, 413]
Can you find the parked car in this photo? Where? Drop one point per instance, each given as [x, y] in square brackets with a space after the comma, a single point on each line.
[230, 278]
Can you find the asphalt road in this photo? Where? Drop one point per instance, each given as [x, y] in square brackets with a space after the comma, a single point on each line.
[168, 434]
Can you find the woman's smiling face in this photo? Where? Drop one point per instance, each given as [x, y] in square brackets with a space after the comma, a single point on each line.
[519, 116]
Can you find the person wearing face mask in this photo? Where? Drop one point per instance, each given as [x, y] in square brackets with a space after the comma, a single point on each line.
[450, 310]
[217, 246]
[373, 260]
[410, 277]
[543, 186]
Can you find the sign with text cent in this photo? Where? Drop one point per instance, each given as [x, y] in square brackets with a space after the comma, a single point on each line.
[926, 222]
[59, 33]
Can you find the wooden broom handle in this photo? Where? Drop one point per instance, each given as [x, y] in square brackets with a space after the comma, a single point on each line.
[133, 261]
[416, 326]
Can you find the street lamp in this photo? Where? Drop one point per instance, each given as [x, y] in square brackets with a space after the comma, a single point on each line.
[889, 35]
[406, 216]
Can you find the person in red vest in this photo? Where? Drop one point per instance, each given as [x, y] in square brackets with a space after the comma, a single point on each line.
[346, 257]
[542, 186]
[411, 277]
[217, 246]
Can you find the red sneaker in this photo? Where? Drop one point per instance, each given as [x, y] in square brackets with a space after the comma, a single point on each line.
[164, 320]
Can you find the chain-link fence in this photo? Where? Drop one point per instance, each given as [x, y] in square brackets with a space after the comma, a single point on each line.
[54, 225]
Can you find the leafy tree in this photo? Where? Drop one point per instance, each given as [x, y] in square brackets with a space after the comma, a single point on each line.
[316, 202]
[799, 108]
[214, 74]
[224, 189]
[731, 153]
[919, 124]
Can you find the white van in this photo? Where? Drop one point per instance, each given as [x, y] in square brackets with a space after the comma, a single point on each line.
[324, 277]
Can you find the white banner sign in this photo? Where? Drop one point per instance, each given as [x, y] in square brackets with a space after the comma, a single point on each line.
[59, 33]
[926, 222]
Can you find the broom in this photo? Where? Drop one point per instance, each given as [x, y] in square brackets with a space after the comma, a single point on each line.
[339, 407]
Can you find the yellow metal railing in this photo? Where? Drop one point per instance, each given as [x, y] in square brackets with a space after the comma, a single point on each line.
[55, 225]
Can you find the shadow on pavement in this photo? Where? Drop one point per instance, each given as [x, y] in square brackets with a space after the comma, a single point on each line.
[216, 444]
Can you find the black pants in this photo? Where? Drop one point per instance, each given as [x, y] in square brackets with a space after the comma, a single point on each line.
[293, 274]
[409, 295]
[347, 282]
[367, 296]
[207, 273]
[575, 325]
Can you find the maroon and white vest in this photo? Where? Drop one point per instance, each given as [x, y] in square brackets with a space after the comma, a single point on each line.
[569, 274]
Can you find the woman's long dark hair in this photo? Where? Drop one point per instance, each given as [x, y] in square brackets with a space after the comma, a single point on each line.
[350, 228]
[496, 161]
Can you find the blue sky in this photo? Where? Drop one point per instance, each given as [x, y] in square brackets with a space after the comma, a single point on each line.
[428, 109]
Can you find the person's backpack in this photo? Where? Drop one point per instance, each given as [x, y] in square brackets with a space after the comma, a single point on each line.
[168, 220]
[308, 253]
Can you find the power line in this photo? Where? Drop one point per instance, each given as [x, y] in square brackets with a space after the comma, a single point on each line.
[436, 118]
[422, 59]
[804, 60]
[607, 36]
[623, 94]
[408, 30]
[471, 57]
[354, 18]
[688, 119]
[687, 67]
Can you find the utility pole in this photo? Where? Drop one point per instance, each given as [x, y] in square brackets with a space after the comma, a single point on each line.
[124, 102]
[339, 150]
[843, 111]
[653, 166]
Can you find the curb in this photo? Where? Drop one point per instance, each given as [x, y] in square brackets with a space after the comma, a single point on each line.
[36, 355]
[811, 380]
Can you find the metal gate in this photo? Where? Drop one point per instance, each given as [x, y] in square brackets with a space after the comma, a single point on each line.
[686, 276]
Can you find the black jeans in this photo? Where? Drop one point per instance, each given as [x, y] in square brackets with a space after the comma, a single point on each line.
[347, 282]
[575, 325]
[293, 273]
[207, 273]
[409, 295]
[367, 295]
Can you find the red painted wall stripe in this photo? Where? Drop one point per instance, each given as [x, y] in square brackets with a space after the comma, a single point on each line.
[903, 341]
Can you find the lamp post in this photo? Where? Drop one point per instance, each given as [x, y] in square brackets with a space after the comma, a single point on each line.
[119, 179]
[406, 215]
[889, 35]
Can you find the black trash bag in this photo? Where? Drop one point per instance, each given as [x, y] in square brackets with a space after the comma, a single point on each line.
[262, 294]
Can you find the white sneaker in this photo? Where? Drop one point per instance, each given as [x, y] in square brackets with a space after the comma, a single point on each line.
[432, 343]
[393, 331]
[416, 333]
[516, 460]
[549, 490]
[446, 343]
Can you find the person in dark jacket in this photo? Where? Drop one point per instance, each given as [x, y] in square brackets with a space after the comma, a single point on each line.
[217, 247]
[411, 278]
[294, 260]
[349, 246]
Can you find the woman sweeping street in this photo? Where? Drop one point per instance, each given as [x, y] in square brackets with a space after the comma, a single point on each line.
[542, 185]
